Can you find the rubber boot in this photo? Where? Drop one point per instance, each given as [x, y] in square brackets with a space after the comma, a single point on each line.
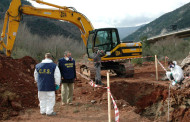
[96, 82]
[100, 83]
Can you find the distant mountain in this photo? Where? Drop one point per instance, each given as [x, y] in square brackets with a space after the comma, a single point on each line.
[125, 31]
[176, 19]
[44, 27]
[47, 27]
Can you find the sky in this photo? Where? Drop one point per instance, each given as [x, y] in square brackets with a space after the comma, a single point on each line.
[119, 13]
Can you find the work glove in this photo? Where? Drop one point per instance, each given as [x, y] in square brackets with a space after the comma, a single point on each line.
[174, 82]
[101, 51]
[167, 72]
[56, 87]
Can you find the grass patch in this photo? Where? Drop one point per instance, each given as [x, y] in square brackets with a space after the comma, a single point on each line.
[76, 111]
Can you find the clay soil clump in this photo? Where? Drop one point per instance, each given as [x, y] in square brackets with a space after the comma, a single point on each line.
[17, 88]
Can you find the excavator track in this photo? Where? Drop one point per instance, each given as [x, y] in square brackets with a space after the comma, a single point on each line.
[125, 70]
[121, 69]
[88, 71]
[129, 68]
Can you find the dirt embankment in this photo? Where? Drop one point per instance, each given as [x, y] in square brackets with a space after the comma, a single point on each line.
[151, 100]
[17, 88]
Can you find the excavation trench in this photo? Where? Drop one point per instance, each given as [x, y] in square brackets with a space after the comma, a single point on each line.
[150, 100]
[146, 97]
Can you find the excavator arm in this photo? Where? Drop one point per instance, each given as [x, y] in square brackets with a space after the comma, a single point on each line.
[13, 17]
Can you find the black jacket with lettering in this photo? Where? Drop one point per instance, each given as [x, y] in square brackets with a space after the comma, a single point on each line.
[67, 69]
[46, 80]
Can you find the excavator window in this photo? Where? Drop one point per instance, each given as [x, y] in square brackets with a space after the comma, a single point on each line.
[103, 40]
[114, 39]
[90, 45]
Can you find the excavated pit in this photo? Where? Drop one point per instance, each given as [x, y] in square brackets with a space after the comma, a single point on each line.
[150, 100]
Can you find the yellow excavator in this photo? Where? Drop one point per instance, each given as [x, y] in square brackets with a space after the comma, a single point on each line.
[106, 39]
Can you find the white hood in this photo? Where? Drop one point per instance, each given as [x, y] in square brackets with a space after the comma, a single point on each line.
[47, 60]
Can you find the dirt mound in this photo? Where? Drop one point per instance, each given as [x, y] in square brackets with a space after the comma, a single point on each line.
[17, 87]
[186, 65]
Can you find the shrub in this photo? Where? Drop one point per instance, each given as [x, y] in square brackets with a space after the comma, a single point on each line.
[174, 48]
[35, 46]
[138, 61]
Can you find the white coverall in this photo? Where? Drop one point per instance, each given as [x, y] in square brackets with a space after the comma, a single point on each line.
[177, 74]
[47, 99]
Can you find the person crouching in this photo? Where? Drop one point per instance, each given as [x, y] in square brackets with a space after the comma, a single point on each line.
[176, 73]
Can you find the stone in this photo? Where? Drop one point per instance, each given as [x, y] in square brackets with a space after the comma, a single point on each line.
[84, 91]
[16, 105]
[105, 96]
[182, 107]
[79, 85]
[14, 113]
[171, 109]
[4, 101]
[2, 90]
[164, 78]
[32, 66]
[1, 65]
[93, 101]
[188, 101]
[185, 65]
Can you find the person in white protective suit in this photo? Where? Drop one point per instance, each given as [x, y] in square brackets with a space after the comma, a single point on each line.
[176, 74]
[48, 77]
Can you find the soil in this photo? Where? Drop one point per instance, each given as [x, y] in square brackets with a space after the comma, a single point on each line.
[17, 88]
[139, 99]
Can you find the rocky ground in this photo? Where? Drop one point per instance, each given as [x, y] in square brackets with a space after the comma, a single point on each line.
[139, 99]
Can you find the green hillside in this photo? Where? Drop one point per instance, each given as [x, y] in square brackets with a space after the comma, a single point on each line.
[44, 26]
[179, 17]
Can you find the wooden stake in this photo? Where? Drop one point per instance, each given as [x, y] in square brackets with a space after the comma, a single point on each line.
[156, 66]
[109, 100]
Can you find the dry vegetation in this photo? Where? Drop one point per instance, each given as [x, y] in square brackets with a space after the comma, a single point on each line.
[174, 48]
[35, 46]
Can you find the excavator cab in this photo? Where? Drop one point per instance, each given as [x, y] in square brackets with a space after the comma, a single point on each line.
[105, 39]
